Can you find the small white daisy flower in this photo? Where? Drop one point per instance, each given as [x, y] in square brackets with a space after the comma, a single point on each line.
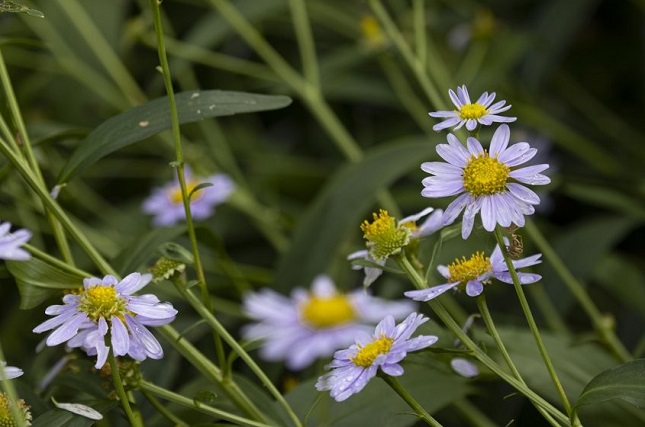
[10, 243]
[166, 203]
[384, 235]
[484, 181]
[313, 324]
[11, 371]
[472, 114]
[470, 275]
[353, 368]
[108, 305]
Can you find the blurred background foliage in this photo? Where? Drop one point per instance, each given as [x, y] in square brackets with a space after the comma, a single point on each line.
[311, 172]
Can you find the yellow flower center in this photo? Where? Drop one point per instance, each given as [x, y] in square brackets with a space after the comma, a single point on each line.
[464, 270]
[372, 32]
[6, 417]
[485, 175]
[366, 355]
[175, 197]
[328, 312]
[472, 111]
[384, 236]
[102, 301]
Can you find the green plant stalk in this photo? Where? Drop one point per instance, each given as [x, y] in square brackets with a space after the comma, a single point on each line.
[394, 383]
[56, 210]
[133, 417]
[236, 347]
[490, 325]
[103, 51]
[532, 325]
[197, 406]
[10, 390]
[25, 144]
[419, 20]
[575, 287]
[212, 372]
[305, 40]
[54, 262]
[414, 63]
[176, 421]
[174, 117]
[447, 320]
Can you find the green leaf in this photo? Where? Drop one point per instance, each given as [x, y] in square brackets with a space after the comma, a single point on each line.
[149, 119]
[626, 382]
[62, 418]
[13, 7]
[38, 281]
[338, 209]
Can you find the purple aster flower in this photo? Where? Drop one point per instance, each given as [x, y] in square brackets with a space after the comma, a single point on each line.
[108, 305]
[11, 371]
[313, 324]
[385, 236]
[10, 243]
[166, 203]
[353, 368]
[472, 114]
[470, 275]
[484, 181]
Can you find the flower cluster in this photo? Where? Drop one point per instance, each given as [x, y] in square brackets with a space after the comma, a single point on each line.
[353, 368]
[385, 237]
[108, 306]
[313, 324]
[166, 203]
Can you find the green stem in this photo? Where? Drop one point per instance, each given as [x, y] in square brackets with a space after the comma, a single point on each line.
[198, 406]
[394, 383]
[236, 347]
[532, 325]
[575, 287]
[135, 421]
[25, 144]
[414, 63]
[472, 414]
[212, 372]
[305, 40]
[490, 325]
[174, 117]
[55, 209]
[176, 421]
[450, 323]
[55, 262]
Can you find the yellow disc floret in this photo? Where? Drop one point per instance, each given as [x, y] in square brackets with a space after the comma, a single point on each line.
[472, 112]
[464, 270]
[328, 312]
[102, 301]
[175, 197]
[366, 355]
[6, 416]
[384, 236]
[485, 175]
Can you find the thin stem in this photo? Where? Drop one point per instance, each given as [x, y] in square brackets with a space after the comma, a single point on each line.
[532, 325]
[577, 289]
[174, 117]
[420, 38]
[394, 383]
[490, 326]
[176, 421]
[56, 210]
[450, 323]
[135, 421]
[415, 64]
[198, 406]
[305, 40]
[25, 145]
[236, 347]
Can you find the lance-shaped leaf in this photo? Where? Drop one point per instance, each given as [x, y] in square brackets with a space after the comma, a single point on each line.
[149, 119]
[626, 382]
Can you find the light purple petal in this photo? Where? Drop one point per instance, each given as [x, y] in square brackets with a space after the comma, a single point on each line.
[455, 208]
[531, 175]
[500, 139]
[474, 288]
[430, 293]
[120, 338]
